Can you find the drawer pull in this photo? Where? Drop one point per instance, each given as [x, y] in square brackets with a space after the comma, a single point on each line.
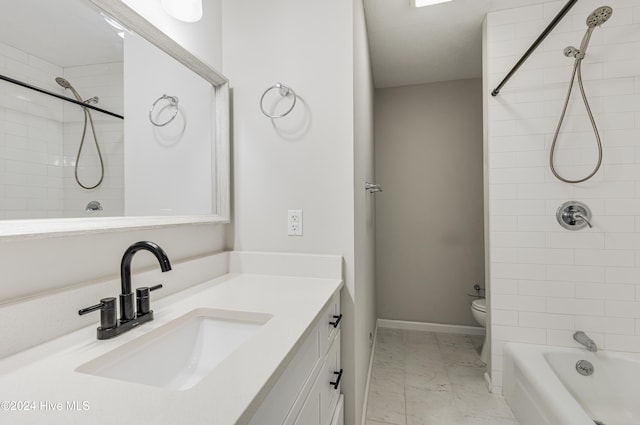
[337, 383]
[336, 322]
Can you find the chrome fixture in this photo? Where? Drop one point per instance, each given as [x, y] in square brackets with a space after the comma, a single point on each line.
[109, 326]
[583, 339]
[596, 18]
[478, 289]
[87, 118]
[584, 367]
[172, 103]
[372, 188]
[283, 91]
[93, 206]
[574, 215]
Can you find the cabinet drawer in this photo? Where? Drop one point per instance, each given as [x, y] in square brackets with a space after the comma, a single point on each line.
[292, 383]
[332, 318]
[318, 408]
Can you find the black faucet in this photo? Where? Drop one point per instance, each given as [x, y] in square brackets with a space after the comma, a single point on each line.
[109, 326]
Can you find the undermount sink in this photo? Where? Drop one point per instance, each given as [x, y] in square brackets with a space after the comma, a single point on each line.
[179, 354]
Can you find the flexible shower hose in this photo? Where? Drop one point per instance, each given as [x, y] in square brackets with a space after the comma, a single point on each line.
[577, 70]
[87, 114]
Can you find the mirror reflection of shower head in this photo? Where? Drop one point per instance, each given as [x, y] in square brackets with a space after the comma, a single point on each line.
[599, 16]
[63, 83]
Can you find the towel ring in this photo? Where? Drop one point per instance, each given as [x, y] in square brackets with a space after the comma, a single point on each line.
[284, 91]
[173, 101]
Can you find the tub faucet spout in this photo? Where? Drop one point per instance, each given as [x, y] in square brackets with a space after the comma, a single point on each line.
[583, 339]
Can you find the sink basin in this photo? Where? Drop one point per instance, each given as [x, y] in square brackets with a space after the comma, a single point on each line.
[180, 353]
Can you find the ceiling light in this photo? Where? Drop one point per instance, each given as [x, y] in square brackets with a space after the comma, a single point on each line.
[184, 10]
[422, 3]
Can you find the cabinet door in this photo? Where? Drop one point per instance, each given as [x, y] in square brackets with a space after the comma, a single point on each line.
[338, 416]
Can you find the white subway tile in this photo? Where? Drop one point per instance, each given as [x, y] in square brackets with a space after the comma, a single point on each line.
[502, 223]
[504, 317]
[567, 239]
[629, 275]
[504, 287]
[602, 257]
[518, 334]
[575, 306]
[517, 239]
[518, 206]
[503, 191]
[547, 256]
[545, 320]
[518, 302]
[621, 241]
[622, 309]
[543, 223]
[570, 273]
[518, 271]
[545, 288]
[605, 291]
[517, 175]
[504, 255]
[605, 325]
[562, 338]
[622, 343]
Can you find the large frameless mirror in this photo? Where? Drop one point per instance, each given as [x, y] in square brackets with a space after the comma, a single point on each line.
[105, 122]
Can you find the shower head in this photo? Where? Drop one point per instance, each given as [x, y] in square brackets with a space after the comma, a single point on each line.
[599, 16]
[63, 83]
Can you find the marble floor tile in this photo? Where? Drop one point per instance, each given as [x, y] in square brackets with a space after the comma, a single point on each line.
[426, 378]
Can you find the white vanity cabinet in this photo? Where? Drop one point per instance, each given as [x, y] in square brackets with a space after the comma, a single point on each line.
[308, 390]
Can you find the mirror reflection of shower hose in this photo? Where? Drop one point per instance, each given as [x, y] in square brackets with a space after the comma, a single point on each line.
[598, 17]
[87, 119]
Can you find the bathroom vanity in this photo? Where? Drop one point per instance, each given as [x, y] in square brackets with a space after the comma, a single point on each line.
[259, 344]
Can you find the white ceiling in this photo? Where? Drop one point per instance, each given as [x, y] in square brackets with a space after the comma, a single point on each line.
[63, 32]
[435, 43]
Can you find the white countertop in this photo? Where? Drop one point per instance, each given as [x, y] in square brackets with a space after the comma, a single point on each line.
[40, 385]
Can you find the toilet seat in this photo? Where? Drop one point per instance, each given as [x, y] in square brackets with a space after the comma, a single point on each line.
[479, 305]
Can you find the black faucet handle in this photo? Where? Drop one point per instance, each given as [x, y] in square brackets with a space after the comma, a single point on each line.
[107, 309]
[142, 299]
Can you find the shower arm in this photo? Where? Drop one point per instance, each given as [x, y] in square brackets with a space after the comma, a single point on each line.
[535, 44]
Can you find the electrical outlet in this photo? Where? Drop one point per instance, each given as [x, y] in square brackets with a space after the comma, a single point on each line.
[294, 223]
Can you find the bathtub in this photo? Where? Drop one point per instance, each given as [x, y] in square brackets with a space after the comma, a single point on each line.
[542, 386]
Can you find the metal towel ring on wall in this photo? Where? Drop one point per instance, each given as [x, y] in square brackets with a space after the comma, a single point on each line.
[173, 102]
[284, 91]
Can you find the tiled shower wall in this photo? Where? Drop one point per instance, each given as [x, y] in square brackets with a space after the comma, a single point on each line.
[39, 138]
[106, 82]
[31, 135]
[545, 281]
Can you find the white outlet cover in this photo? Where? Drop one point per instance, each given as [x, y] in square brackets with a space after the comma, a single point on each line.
[294, 223]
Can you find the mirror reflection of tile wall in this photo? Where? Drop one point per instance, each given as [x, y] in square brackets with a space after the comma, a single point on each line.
[40, 136]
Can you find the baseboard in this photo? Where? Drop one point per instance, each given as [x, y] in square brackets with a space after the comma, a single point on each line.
[430, 327]
[365, 402]
[487, 381]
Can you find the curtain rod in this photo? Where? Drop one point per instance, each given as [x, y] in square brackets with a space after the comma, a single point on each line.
[535, 44]
[47, 92]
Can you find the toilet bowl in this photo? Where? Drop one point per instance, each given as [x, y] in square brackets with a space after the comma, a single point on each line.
[479, 312]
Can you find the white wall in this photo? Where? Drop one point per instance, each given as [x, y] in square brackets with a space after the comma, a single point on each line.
[305, 160]
[167, 169]
[547, 282]
[35, 265]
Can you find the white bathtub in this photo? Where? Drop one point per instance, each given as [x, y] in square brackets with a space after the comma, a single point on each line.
[542, 386]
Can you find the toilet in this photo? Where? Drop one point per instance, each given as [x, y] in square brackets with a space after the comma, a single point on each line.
[479, 312]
